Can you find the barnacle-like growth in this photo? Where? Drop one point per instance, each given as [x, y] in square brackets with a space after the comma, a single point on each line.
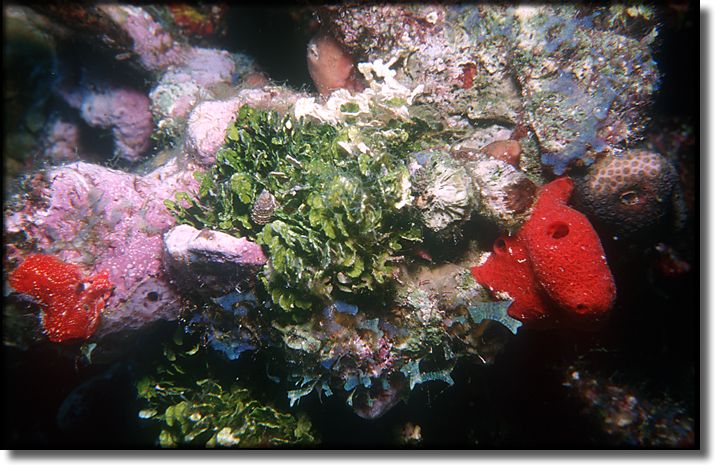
[330, 203]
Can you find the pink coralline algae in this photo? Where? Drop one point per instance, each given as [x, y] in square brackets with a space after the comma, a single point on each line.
[208, 121]
[154, 45]
[554, 268]
[108, 220]
[123, 110]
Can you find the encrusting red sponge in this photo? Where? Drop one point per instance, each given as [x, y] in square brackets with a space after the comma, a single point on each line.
[554, 269]
[71, 304]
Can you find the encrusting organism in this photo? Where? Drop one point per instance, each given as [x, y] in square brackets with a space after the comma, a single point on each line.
[71, 304]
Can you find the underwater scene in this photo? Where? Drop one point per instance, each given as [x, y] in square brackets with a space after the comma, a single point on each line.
[356, 225]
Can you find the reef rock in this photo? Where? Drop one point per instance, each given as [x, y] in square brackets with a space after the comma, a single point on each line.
[629, 193]
[209, 121]
[103, 219]
[505, 194]
[554, 268]
[122, 109]
[210, 262]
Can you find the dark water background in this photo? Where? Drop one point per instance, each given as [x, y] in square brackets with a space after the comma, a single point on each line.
[651, 342]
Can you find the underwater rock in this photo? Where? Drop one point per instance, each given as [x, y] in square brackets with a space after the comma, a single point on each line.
[210, 262]
[585, 89]
[554, 268]
[154, 46]
[629, 193]
[198, 78]
[580, 84]
[104, 219]
[209, 121]
[122, 109]
[330, 66]
[463, 74]
[71, 304]
[61, 140]
[628, 415]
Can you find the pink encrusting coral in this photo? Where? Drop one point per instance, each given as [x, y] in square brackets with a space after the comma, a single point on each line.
[154, 45]
[554, 268]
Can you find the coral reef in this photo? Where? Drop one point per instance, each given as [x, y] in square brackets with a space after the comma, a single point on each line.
[629, 193]
[105, 220]
[572, 74]
[555, 260]
[283, 244]
[71, 304]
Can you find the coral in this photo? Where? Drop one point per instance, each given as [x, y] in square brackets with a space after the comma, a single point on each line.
[330, 66]
[210, 261]
[629, 193]
[554, 268]
[71, 304]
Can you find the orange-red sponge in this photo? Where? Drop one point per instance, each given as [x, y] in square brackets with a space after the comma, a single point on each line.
[554, 268]
[71, 304]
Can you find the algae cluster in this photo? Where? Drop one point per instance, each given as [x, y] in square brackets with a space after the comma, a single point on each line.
[342, 194]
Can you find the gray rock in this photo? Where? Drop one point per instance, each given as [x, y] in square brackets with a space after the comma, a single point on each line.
[210, 262]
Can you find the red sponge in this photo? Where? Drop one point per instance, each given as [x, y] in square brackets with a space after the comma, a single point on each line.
[554, 268]
[71, 304]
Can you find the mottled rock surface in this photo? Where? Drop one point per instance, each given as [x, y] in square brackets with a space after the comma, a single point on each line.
[210, 262]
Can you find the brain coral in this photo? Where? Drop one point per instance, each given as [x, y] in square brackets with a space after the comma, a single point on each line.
[629, 193]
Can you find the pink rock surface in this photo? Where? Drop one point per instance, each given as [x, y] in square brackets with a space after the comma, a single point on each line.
[123, 110]
[61, 141]
[105, 219]
[208, 121]
[154, 45]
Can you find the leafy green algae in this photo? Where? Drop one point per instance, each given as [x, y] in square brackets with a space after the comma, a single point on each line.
[343, 201]
[206, 413]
